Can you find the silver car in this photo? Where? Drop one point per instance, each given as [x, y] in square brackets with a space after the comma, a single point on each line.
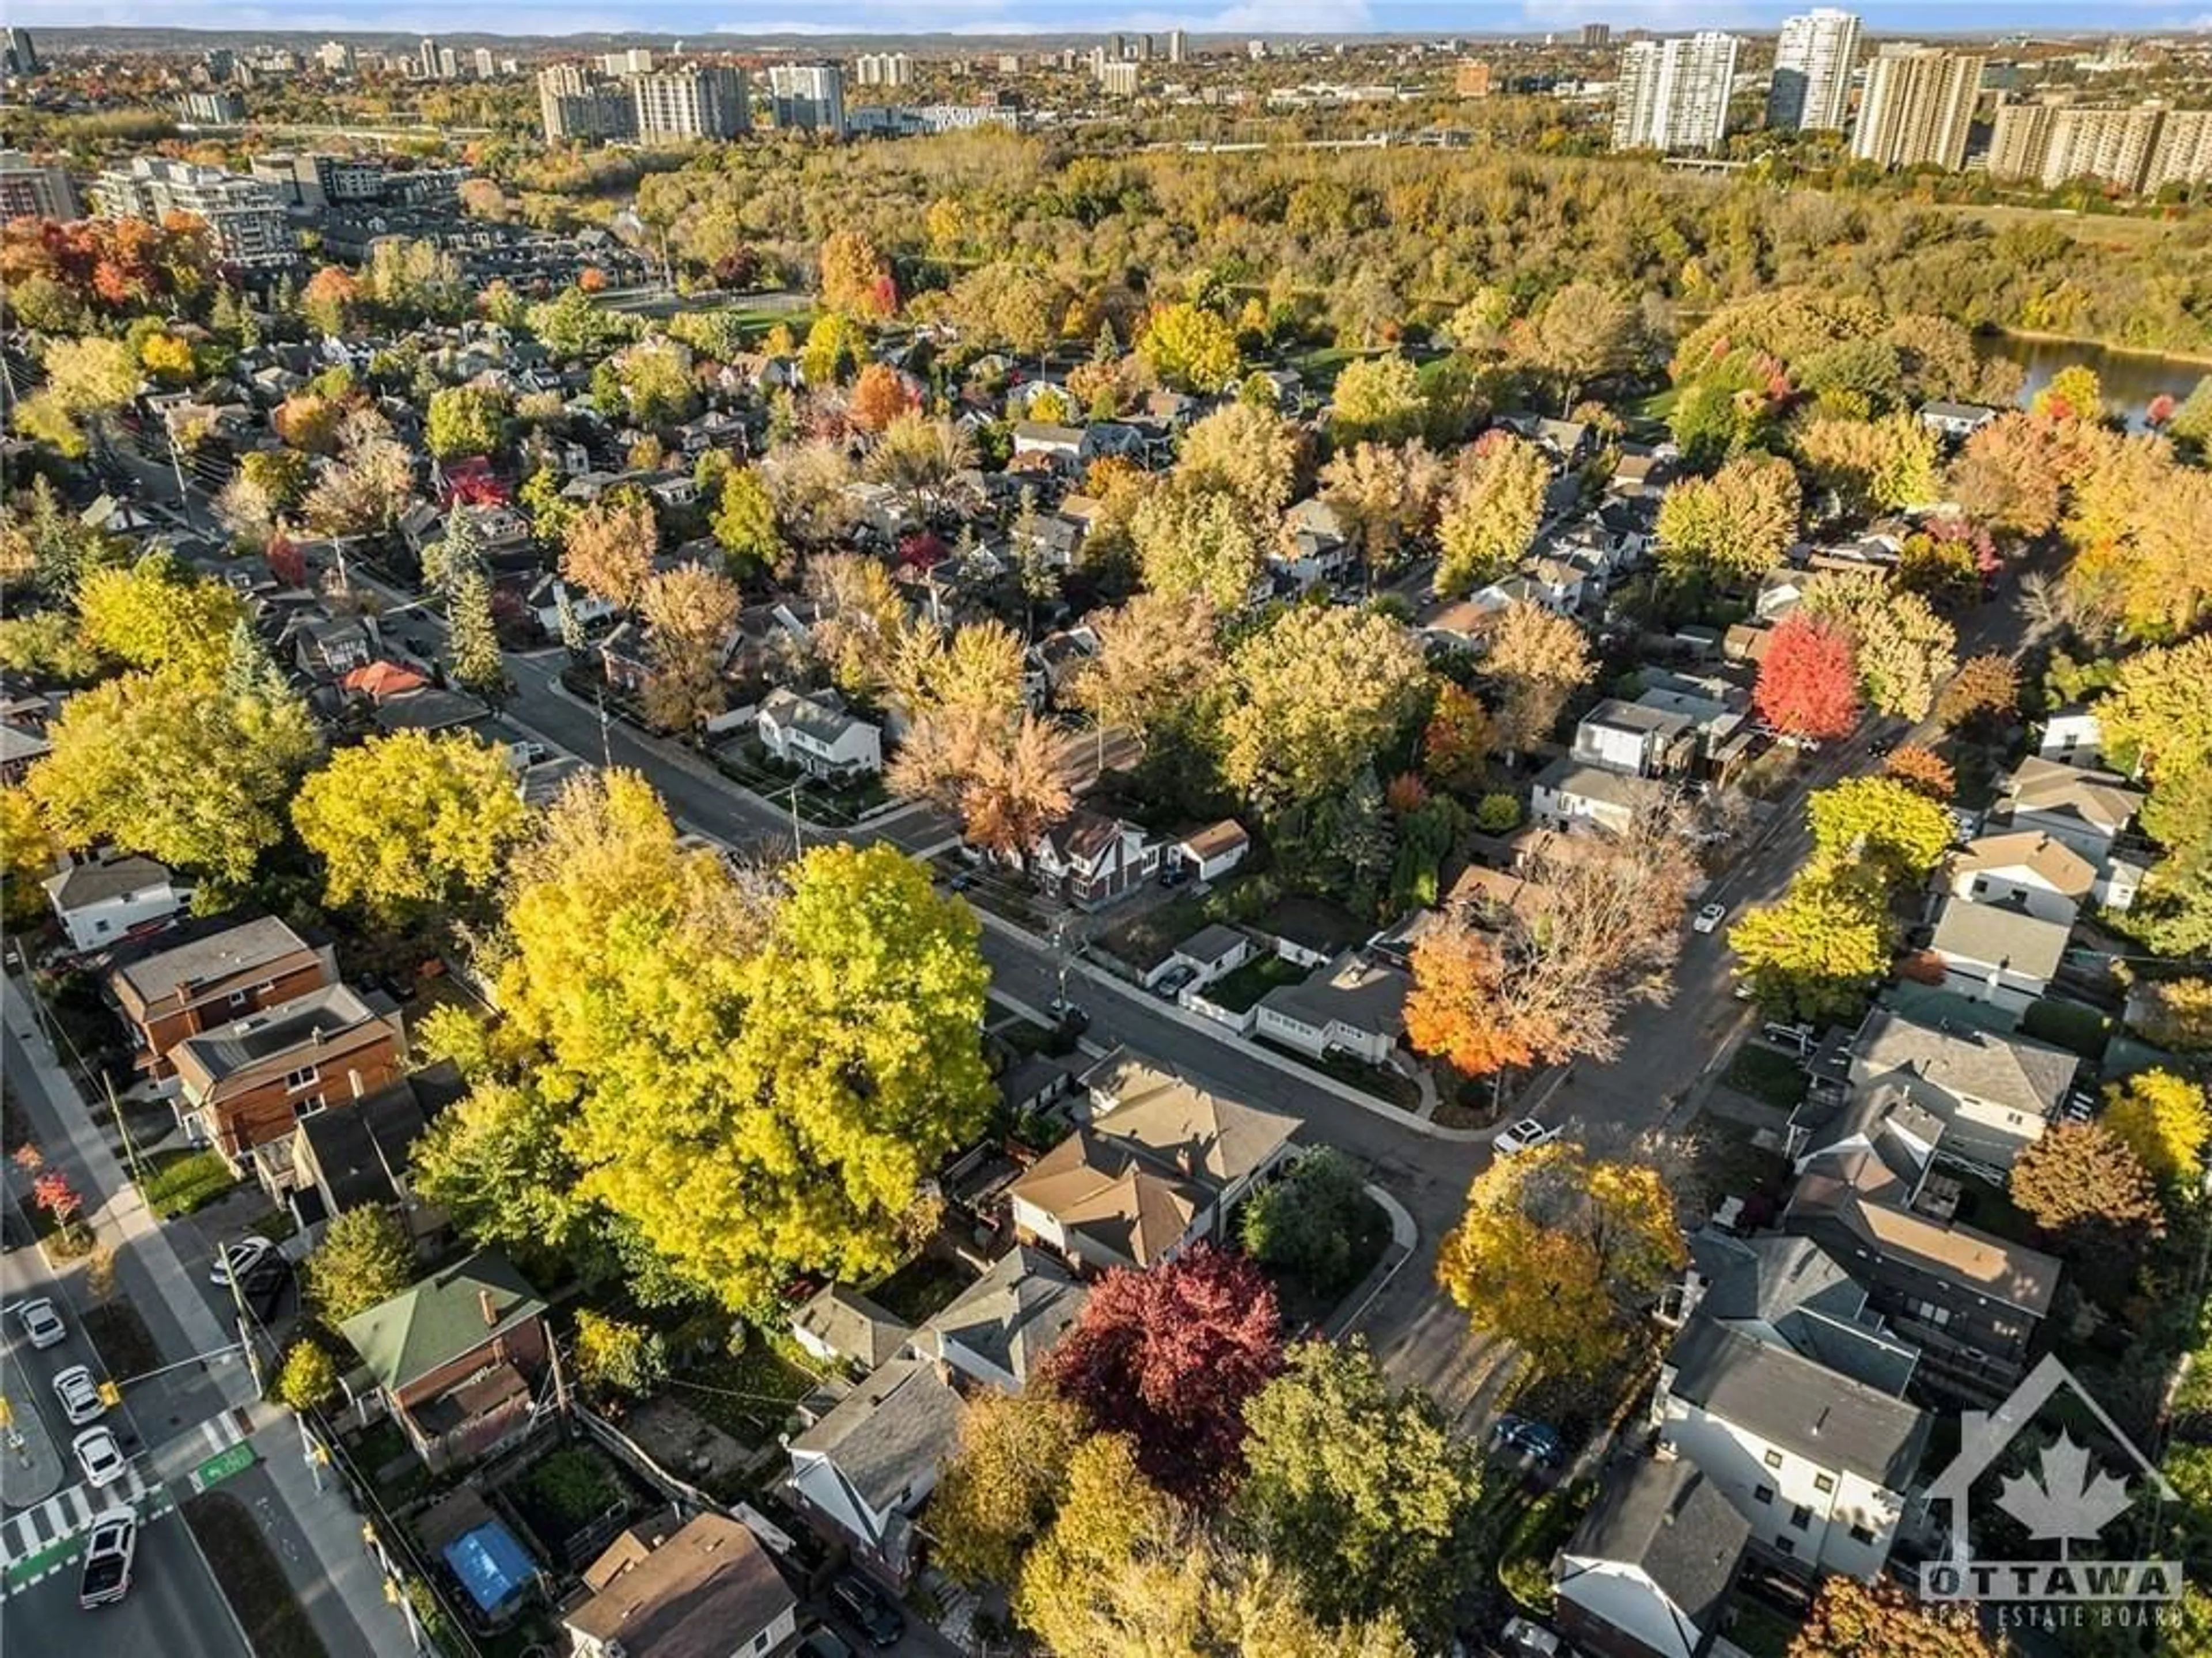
[79, 1395]
[42, 1324]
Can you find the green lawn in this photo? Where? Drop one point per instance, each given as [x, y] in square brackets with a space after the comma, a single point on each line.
[1241, 991]
[1384, 1084]
[182, 1179]
[747, 1395]
[252, 1579]
[1766, 1074]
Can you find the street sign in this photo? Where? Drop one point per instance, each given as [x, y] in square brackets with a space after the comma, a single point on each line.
[223, 1465]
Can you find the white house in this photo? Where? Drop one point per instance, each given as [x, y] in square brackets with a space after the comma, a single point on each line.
[588, 608]
[866, 1468]
[1353, 1005]
[1820, 1465]
[1632, 739]
[1215, 951]
[2073, 736]
[1568, 791]
[1999, 955]
[1649, 1571]
[1955, 420]
[2085, 809]
[996, 1330]
[817, 734]
[99, 902]
[1211, 852]
[2027, 870]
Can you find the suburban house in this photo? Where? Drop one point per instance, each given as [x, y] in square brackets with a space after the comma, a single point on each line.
[1092, 859]
[1791, 1292]
[1059, 447]
[1215, 951]
[2073, 736]
[1313, 546]
[246, 1085]
[1997, 953]
[1633, 739]
[1354, 1005]
[544, 601]
[838, 1324]
[457, 1358]
[1155, 1168]
[1866, 1193]
[2085, 809]
[708, 1591]
[1649, 1571]
[863, 1470]
[19, 749]
[1957, 421]
[1570, 791]
[2031, 871]
[818, 735]
[996, 1330]
[212, 979]
[104, 900]
[357, 1159]
[1994, 1094]
[1820, 1464]
[1211, 852]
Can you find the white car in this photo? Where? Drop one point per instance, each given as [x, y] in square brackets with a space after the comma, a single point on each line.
[111, 1545]
[100, 1456]
[79, 1394]
[1710, 917]
[241, 1258]
[1524, 1136]
[42, 1324]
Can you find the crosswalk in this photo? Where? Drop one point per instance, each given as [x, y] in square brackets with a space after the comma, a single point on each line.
[43, 1537]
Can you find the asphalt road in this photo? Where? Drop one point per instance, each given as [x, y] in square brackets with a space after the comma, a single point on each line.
[173, 1610]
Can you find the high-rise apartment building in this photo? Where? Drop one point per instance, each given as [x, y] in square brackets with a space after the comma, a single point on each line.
[1178, 45]
[1118, 79]
[335, 57]
[20, 56]
[35, 189]
[2019, 140]
[1813, 63]
[426, 61]
[808, 97]
[573, 104]
[1918, 107]
[1674, 94]
[692, 100]
[883, 68]
[633, 60]
[2112, 145]
[212, 108]
[1597, 35]
[487, 66]
[244, 217]
[2183, 153]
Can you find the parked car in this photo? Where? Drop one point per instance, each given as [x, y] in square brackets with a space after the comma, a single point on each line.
[1710, 917]
[110, 1547]
[1524, 1136]
[1539, 1441]
[823, 1641]
[42, 1324]
[867, 1609]
[1520, 1635]
[99, 1456]
[79, 1395]
[1172, 983]
[240, 1257]
[1069, 1016]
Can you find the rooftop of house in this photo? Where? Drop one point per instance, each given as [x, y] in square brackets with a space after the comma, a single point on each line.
[2057, 864]
[889, 1433]
[1796, 1405]
[1985, 1266]
[1216, 839]
[821, 717]
[2002, 936]
[213, 1056]
[1569, 776]
[223, 954]
[1352, 991]
[848, 1322]
[2014, 1071]
[1666, 1519]
[442, 1318]
[82, 885]
[1174, 1121]
[1014, 1314]
[1104, 1190]
[2101, 799]
[1794, 1288]
[701, 1594]
[359, 1151]
[1637, 717]
[1214, 942]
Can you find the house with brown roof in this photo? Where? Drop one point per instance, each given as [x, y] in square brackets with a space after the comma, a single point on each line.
[708, 1591]
[2085, 809]
[1211, 852]
[210, 981]
[246, 1085]
[1155, 1168]
[2029, 869]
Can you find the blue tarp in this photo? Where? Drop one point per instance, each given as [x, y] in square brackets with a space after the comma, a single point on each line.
[492, 1566]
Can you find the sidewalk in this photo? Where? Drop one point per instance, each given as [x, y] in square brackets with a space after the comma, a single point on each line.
[342, 1590]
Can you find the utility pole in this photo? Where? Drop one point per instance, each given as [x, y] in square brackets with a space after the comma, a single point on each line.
[244, 1325]
[606, 736]
[177, 465]
[798, 845]
[123, 1128]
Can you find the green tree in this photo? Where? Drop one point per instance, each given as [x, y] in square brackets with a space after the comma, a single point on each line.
[1193, 542]
[466, 420]
[1253, 453]
[472, 638]
[1305, 1223]
[2164, 1119]
[411, 821]
[365, 1258]
[1883, 820]
[745, 525]
[2157, 713]
[1490, 513]
[1190, 347]
[1819, 949]
[309, 1378]
[1319, 692]
[617, 1358]
[156, 615]
[1004, 1482]
[1362, 1492]
[168, 765]
[1730, 528]
[1376, 400]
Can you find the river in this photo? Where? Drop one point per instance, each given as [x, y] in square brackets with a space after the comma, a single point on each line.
[2130, 381]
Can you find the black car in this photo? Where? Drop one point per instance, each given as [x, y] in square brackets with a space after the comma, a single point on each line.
[866, 1607]
[823, 1641]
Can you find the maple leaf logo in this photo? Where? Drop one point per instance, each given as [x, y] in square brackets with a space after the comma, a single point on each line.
[2071, 1500]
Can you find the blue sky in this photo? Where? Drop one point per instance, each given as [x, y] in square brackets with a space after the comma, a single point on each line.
[1021, 16]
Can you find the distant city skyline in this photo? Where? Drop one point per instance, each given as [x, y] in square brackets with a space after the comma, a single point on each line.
[1015, 17]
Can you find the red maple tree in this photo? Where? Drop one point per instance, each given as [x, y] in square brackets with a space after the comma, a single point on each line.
[1809, 681]
[1169, 1357]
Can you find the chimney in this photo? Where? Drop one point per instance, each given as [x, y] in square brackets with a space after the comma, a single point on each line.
[488, 1307]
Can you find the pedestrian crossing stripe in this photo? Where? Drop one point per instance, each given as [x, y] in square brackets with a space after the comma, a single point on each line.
[18, 1575]
[38, 1531]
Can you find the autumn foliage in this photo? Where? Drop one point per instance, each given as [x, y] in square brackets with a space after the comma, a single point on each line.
[1808, 683]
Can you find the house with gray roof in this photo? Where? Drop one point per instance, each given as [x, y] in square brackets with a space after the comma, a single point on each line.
[1994, 1094]
[1791, 1293]
[1822, 1465]
[863, 1470]
[1997, 953]
[997, 1329]
[2085, 809]
[1357, 1005]
[1649, 1570]
[1569, 793]
[102, 900]
[1633, 739]
[839, 1324]
[818, 734]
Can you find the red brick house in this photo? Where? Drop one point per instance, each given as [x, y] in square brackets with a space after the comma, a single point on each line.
[213, 980]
